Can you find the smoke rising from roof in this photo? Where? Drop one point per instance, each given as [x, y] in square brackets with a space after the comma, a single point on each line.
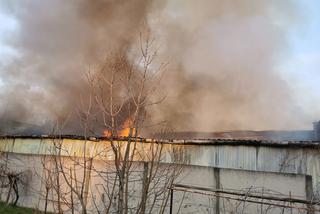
[225, 56]
[57, 41]
[223, 59]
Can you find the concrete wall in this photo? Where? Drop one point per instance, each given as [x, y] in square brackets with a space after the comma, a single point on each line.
[244, 181]
[299, 186]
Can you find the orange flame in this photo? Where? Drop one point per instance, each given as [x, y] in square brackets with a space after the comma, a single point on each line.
[107, 133]
[124, 132]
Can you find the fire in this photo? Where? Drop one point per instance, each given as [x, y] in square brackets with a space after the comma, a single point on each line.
[107, 133]
[124, 132]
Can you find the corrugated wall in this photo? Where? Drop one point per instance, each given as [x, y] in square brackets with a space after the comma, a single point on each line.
[262, 158]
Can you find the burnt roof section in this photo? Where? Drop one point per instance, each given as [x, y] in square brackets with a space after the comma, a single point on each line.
[271, 135]
[205, 142]
[246, 142]
[72, 137]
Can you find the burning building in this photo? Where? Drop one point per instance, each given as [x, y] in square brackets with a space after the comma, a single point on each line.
[72, 143]
[214, 176]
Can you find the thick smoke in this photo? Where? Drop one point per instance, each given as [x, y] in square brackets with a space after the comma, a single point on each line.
[57, 42]
[223, 57]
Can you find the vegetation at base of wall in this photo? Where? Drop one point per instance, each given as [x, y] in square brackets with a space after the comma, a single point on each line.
[10, 209]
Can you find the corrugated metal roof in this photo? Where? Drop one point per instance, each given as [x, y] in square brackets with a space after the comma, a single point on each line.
[236, 142]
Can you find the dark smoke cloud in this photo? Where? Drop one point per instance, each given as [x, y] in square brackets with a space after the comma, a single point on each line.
[57, 41]
[223, 57]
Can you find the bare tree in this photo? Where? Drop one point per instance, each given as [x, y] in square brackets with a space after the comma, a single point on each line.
[123, 90]
[11, 180]
[125, 175]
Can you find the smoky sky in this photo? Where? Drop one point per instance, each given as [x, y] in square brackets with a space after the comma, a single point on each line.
[222, 56]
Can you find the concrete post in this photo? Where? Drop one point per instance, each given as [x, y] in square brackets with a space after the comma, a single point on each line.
[216, 172]
[309, 193]
[87, 181]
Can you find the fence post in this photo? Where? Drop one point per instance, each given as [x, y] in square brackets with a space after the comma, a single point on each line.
[309, 194]
[216, 174]
[171, 200]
